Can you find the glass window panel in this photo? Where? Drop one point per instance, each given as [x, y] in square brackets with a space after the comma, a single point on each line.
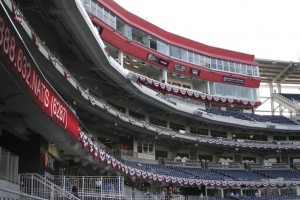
[183, 54]
[238, 68]
[129, 32]
[249, 70]
[121, 27]
[214, 63]
[86, 5]
[163, 47]
[106, 16]
[220, 64]
[153, 44]
[255, 71]
[231, 66]
[94, 8]
[207, 61]
[244, 69]
[234, 91]
[100, 13]
[202, 62]
[191, 56]
[226, 66]
[175, 52]
[196, 59]
[113, 21]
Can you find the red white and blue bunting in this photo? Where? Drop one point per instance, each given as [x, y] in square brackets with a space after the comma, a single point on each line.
[189, 93]
[95, 101]
[110, 161]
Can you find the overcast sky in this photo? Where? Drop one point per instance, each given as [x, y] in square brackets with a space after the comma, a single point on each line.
[268, 29]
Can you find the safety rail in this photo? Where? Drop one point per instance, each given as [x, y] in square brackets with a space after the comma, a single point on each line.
[97, 187]
[9, 166]
[289, 103]
[148, 196]
[133, 121]
[39, 186]
[11, 195]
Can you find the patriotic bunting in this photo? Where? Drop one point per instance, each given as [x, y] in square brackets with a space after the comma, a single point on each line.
[18, 16]
[97, 151]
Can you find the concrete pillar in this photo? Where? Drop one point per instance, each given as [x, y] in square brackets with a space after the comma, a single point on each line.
[209, 133]
[165, 76]
[298, 190]
[259, 192]
[146, 118]
[121, 58]
[222, 193]
[207, 87]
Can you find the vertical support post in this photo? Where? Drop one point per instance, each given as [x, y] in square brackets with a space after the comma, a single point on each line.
[31, 187]
[272, 98]
[222, 193]
[165, 76]
[7, 166]
[207, 87]
[82, 190]
[101, 188]
[121, 58]
[119, 189]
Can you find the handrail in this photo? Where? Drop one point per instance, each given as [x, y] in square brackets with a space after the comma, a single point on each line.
[287, 101]
[39, 185]
[9, 166]
[111, 160]
[102, 105]
[21, 194]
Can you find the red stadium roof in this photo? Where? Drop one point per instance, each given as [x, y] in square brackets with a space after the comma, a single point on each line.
[176, 39]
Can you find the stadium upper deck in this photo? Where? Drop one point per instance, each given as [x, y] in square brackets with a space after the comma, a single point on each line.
[114, 108]
[137, 44]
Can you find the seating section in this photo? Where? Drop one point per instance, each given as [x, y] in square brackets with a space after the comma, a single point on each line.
[273, 119]
[201, 173]
[216, 174]
[292, 97]
[282, 197]
[279, 173]
[238, 115]
[239, 174]
[252, 117]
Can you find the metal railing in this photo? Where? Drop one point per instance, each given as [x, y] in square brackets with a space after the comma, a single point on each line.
[19, 195]
[9, 166]
[38, 186]
[289, 103]
[93, 187]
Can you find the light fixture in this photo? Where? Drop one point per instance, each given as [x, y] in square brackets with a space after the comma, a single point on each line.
[134, 60]
[127, 63]
[136, 66]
